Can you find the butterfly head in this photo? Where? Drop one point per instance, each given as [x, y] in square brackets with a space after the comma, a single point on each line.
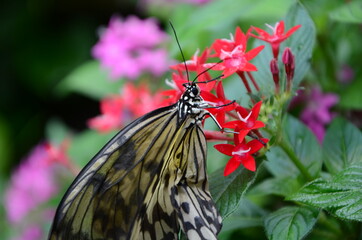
[192, 91]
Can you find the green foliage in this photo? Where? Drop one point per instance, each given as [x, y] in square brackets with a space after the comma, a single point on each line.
[342, 146]
[341, 196]
[228, 191]
[89, 79]
[299, 143]
[290, 223]
[351, 12]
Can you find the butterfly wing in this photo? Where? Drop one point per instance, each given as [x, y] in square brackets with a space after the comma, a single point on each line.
[104, 200]
[146, 183]
[190, 196]
[181, 192]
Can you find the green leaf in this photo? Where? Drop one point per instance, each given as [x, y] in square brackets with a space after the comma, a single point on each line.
[351, 12]
[341, 196]
[298, 145]
[228, 191]
[351, 97]
[290, 222]
[89, 79]
[246, 215]
[301, 44]
[342, 145]
[282, 186]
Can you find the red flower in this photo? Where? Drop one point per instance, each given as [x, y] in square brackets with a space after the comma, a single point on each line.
[112, 113]
[174, 94]
[119, 109]
[233, 54]
[248, 121]
[241, 153]
[197, 64]
[58, 153]
[218, 100]
[277, 37]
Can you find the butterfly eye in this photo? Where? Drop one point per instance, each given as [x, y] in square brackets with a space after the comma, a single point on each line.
[195, 91]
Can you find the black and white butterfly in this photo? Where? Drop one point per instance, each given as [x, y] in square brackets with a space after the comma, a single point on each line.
[148, 182]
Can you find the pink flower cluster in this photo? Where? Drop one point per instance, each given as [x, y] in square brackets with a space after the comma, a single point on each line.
[128, 48]
[31, 184]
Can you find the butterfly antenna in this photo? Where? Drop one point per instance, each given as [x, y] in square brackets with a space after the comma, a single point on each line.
[207, 69]
[182, 54]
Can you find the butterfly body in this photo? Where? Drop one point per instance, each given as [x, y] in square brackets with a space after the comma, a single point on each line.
[148, 182]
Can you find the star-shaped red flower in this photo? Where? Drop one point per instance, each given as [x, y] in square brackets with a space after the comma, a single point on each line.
[277, 37]
[233, 53]
[248, 121]
[218, 100]
[241, 153]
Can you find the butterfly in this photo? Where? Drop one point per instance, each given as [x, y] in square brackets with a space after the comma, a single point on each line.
[148, 182]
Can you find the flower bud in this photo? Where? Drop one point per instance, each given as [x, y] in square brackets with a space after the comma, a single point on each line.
[275, 72]
[289, 62]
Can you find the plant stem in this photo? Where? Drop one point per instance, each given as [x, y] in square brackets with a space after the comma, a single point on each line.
[284, 145]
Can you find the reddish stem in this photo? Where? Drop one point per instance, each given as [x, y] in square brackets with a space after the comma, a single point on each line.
[216, 135]
[245, 81]
[253, 81]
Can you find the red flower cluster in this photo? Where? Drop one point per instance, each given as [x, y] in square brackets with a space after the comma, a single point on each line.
[117, 110]
[227, 55]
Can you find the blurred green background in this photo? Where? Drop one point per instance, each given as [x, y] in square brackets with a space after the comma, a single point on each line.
[41, 42]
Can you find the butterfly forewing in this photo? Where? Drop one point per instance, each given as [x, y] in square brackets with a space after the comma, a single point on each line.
[148, 182]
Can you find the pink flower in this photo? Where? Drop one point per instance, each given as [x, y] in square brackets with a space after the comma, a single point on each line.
[128, 48]
[31, 184]
[316, 113]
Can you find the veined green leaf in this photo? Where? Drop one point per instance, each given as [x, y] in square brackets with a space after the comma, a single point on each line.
[290, 223]
[342, 145]
[341, 196]
[228, 191]
[282, 186]
[301, 143]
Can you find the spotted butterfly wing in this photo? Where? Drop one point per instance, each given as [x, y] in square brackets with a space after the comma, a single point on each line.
[148, 182]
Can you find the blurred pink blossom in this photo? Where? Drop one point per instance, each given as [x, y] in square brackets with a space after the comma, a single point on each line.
[316, 113]
[129, 47]
[31, 184]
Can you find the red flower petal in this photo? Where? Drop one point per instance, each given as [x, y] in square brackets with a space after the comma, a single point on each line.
[280, 28]
[253, 52]
[249, 163]
[292, 30]
[226, 149]
[231, 166]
